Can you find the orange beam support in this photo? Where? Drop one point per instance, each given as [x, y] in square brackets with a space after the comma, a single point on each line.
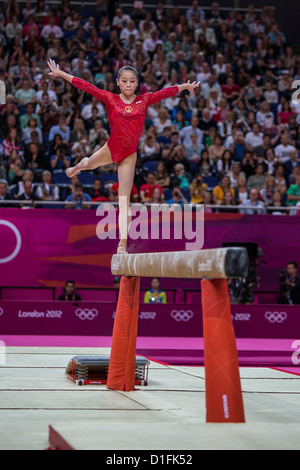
[121, 371]
[224, 401]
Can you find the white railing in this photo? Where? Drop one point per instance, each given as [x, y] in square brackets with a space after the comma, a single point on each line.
[146, 6]
[216, 207]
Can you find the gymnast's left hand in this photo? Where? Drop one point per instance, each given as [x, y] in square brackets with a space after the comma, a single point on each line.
[192, 86]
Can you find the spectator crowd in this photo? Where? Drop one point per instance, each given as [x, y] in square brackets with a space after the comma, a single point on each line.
[234, 145]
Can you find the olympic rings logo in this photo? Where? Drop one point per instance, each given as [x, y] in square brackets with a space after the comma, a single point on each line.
[86, 313]
[276, 317]
[18, 241]
[182, 315]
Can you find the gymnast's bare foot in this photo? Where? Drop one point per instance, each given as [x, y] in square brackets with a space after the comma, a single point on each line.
[71, 171]
[121, 250]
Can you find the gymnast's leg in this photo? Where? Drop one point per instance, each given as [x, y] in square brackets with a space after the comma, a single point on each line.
[99, 158]
[126, 171]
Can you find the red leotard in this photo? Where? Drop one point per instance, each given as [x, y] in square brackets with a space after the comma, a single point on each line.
[126, 120]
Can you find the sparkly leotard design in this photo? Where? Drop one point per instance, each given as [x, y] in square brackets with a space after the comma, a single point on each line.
[126, 120]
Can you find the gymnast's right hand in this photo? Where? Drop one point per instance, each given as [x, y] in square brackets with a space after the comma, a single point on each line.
[55, 70]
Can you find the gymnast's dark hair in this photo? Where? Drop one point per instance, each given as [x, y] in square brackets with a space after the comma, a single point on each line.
[127, 67]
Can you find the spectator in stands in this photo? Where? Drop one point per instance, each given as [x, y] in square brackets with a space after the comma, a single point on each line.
[186, 132]
[264, 113]
[112, 196]
[52, 27]
[12, 142]
[32, 127]
[293, 175]
[168, 142]
[120, 19]
[255, 137]
[286, 112]
[4, 193]
[242, 59]
[177, 154]
[78, 197]
[147, 189]
[28, 195]
[240, 191]
[293, 193]
[150, 44]
[290, 285]
[157, 197]
[195, 9]
[197, 190]
[24, 120]
[239, 147]
[47, 191]
[161, 176]
[81, 149]
[260, 150]
[69, 292]
[15, 168]
[252, 205]
[231, 90]
[162, 121]
[270, 93]
[155, 294]
[279, 174]
[224, 164]
[216, 151]
[25, 93]
[179, 121]
[277, 203]
[204, 166]
[177, 197]
[227, 203]
[270, 161]
[60, 161]
[9, 117]
[205, 123]
[257, 180]
[220, 189]
[194, 149]
[225, 127]
[134, 196]
[268, 191]
[282, 151]
[235, 173]
[37, 161]
[149, 148]
[181, 178]
[62, 128]
[98, 192]
[12, 28]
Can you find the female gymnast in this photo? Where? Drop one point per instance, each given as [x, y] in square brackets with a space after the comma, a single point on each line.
[126, 113]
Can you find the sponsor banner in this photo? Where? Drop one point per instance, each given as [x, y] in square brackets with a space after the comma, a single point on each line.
[177, 320]
[58, 244]
[94, 318]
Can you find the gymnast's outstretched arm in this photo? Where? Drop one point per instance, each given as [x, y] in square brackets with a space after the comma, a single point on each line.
[56, 72]
[170, 91]
[101, 95]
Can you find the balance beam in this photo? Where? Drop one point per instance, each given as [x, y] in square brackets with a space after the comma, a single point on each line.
[218, 263]
[224, 401]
